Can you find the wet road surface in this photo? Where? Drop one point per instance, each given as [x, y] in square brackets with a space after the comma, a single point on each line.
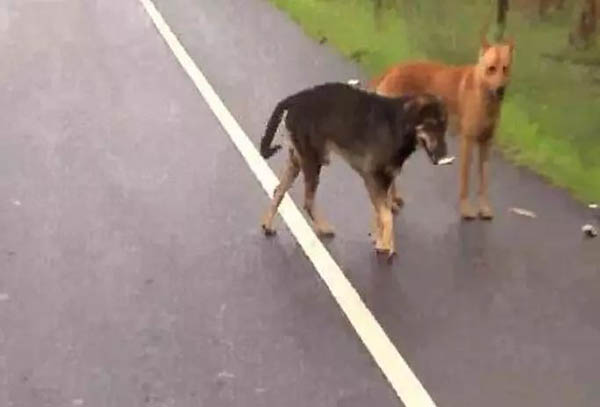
[133, 271]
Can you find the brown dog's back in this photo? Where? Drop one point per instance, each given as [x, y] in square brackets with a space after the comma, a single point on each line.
[419, 77]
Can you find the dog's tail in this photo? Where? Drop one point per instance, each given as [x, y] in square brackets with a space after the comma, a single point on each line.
[266, 149]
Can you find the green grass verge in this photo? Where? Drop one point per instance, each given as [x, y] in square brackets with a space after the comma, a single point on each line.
[550, 120]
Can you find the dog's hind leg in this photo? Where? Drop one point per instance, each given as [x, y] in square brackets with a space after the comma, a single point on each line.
[312, 169]
[485, 210]
[289, 176]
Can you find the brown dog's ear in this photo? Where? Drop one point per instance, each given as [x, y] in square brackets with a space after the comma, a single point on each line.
[484, 45]
[510, 41]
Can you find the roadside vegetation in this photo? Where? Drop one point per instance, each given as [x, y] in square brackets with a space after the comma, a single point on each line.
[551, 117]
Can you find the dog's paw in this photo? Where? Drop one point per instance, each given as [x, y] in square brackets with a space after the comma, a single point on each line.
[325, 232]
[268, 230]
[381, 247]
[486, 212]
[323, 229]
[385, 251]
[380, 250]
[467, 211]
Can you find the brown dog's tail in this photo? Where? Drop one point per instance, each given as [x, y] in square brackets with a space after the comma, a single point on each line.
[266, 149]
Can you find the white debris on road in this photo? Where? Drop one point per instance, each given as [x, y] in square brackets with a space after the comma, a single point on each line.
[523, 212]
[589, 230]
[446, 160]
[225, 375]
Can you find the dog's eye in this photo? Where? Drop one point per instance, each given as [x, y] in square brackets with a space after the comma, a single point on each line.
[505, 69]
[491, 70]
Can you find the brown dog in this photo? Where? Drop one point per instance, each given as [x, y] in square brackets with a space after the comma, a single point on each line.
[473, 95]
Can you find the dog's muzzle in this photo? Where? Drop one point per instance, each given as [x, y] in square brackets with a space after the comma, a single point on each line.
[500, 92]
[436, 149]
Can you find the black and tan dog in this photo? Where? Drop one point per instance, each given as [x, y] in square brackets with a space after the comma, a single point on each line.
[372, 133]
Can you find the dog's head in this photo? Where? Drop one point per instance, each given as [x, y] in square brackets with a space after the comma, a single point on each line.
[494, 67]
[428, 117]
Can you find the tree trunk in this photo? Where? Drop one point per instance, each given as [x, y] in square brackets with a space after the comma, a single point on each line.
[583, 33]
[377, 9]
[545, 5]
[501, 12]
[543, 8]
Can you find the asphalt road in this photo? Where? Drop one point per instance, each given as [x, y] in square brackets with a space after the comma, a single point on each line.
[133, 271]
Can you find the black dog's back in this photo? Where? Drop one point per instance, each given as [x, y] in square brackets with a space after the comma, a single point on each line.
[343, 114]
[337, 101]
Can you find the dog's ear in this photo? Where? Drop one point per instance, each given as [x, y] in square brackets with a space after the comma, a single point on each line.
[412, 108]
[483, 41]
[416, 107]
[510, 41]
[417, 103]
[419, 108]
[484, 44]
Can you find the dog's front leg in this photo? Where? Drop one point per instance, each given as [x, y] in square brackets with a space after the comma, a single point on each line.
[466, 148]
[375, 227]
[384, 220]
[485, 210]
[387, 229]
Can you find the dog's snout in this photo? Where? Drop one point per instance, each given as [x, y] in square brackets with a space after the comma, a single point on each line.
[500, 91]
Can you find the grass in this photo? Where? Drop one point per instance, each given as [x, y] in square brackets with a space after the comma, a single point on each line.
[550, 119]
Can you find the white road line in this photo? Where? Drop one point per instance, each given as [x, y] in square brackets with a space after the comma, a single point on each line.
[392, 364]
